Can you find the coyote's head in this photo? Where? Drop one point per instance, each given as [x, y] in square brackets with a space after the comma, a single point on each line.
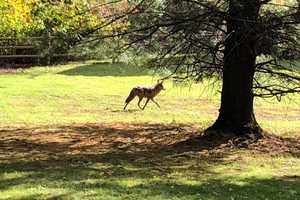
[159, 86]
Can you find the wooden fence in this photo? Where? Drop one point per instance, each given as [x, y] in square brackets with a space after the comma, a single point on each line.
[38, 49]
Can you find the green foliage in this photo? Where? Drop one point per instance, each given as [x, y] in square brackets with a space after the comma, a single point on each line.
[101, 50]
[15, 17]
[33, 16]
[62, 17]
[67, 22]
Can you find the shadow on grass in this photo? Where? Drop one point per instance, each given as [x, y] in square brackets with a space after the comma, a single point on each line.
[106, 69]
[127, 110]
[125, 161]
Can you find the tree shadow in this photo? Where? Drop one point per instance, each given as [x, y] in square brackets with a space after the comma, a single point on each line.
[127, 110]
[106, 69]
[87, 157]
[218, 189]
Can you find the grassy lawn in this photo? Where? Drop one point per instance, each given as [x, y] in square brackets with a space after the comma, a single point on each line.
[64, 135]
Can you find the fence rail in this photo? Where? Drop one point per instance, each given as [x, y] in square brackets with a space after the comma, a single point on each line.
[21, 56]
[14, 38]
[17, 47]
[39, 48]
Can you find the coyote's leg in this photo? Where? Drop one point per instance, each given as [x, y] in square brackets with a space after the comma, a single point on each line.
[146, 103]
[155, 103]
[139, 103]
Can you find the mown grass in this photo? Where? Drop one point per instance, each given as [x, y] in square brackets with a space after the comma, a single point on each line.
[82, 93]
[86, 92]
[64, 135]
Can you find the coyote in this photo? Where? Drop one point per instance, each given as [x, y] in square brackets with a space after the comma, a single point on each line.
[147, 92]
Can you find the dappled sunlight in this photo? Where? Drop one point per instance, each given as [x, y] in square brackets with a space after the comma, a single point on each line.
[151, 161]
[99, 139]
[90, 138]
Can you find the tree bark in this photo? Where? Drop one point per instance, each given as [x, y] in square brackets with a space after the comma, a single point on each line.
[236, 114]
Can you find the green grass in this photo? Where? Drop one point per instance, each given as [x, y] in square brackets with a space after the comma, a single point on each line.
[64, 135]
[80, 93]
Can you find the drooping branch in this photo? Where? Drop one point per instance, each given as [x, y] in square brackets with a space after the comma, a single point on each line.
[275, 80]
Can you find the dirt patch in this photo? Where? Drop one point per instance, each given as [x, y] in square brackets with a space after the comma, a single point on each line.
[268, 144]
[41, 142]
[64, 141]
[273, 144]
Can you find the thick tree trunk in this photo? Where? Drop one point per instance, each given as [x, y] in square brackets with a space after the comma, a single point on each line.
[236, 114]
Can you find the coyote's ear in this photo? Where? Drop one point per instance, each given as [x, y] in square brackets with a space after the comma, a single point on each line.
[160, 81]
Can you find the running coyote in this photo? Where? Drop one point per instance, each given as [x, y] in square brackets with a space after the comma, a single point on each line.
[147, 92]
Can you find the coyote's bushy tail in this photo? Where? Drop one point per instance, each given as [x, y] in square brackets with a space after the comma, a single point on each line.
[131, 96]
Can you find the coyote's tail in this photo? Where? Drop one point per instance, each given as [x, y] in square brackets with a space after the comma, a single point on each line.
[131, 96]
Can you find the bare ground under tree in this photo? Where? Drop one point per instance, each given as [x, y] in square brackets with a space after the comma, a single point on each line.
[128, 141]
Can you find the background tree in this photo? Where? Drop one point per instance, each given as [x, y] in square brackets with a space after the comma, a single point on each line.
[15, 17]
[64, 20]
[252, 45]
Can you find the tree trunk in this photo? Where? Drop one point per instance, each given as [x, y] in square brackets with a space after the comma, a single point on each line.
[236, 114]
